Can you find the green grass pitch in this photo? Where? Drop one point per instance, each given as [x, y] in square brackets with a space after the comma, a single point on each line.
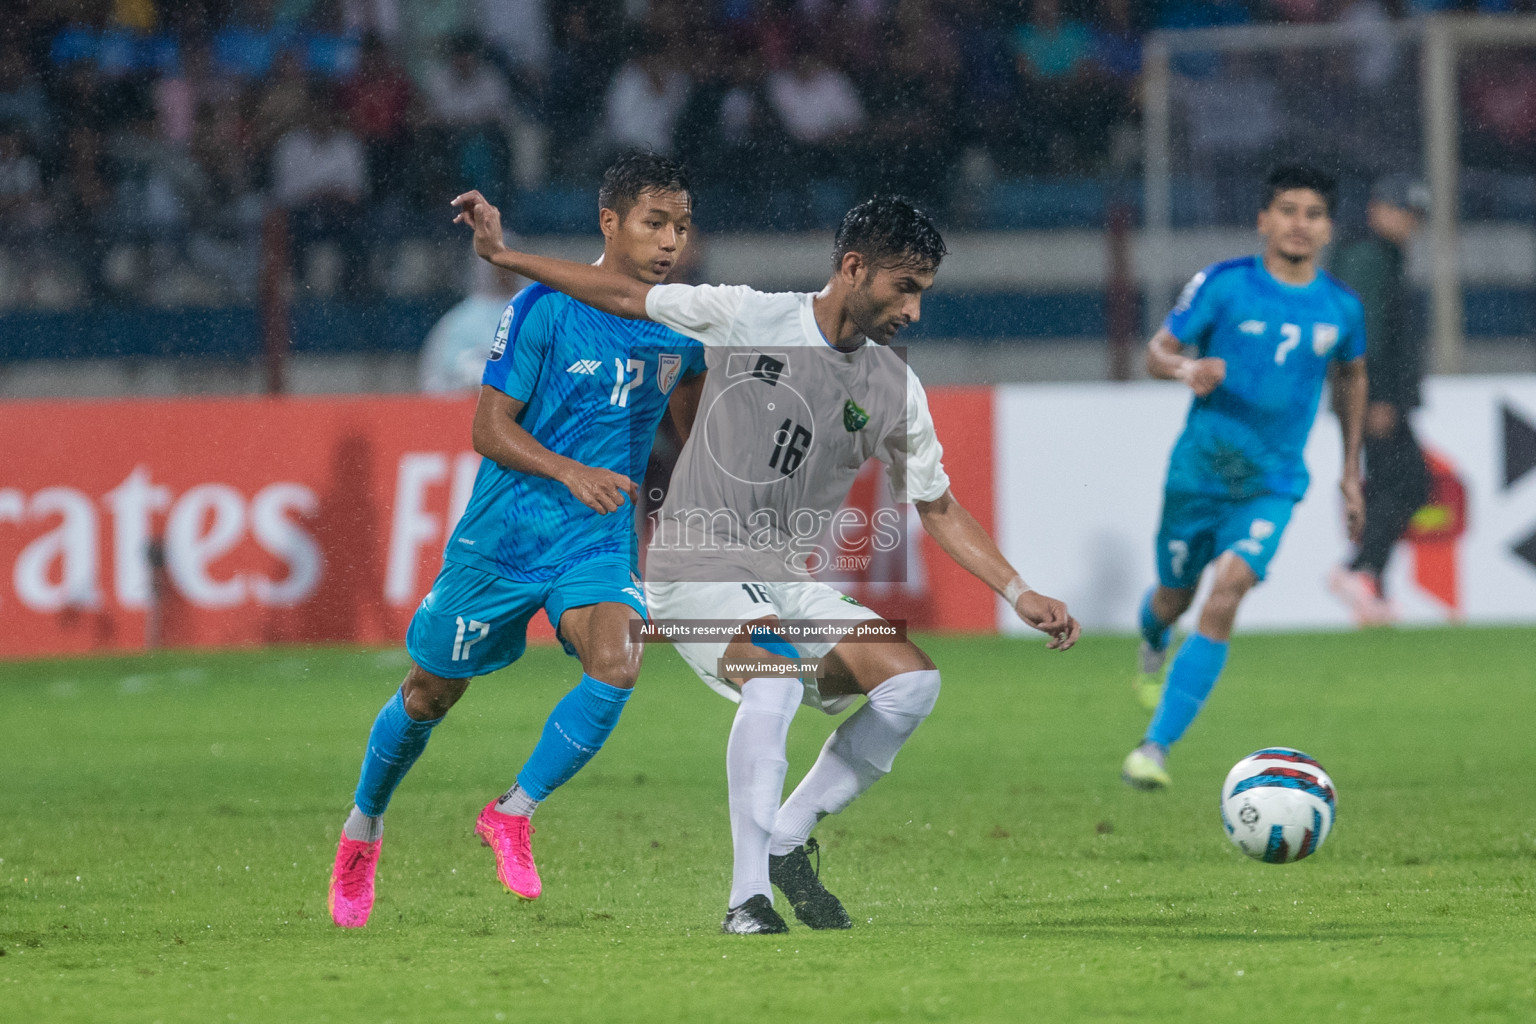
[169, 821]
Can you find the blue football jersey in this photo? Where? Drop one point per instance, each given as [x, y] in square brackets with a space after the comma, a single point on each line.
[596, 387]
[1246, 438]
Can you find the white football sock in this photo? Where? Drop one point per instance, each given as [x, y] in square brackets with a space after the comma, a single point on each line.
[363, 828]
[755, 766]
[517, 801]
[857, 754]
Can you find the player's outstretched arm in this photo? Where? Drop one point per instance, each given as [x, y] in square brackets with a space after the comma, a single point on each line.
[597, 286]
[1349, 402]
[974, 550]
[1166, 360]
[499, 437]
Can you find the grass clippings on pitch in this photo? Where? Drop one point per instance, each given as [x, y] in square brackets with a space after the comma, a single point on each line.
[169, 823]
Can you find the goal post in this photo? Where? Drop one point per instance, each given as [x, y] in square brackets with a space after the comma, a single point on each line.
[1398, 110]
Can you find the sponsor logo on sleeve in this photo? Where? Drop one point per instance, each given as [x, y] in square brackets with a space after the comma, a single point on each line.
[504, 328]
[1187, 296]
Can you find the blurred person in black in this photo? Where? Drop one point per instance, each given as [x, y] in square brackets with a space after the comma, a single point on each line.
[82, 112]
[728, 134]
[820, 109]
[23, 104]
[588, 49]
[319, 175]
[1396, 476]
[913, 133]
[469, 108]
[644, 98]
[382, 109]
[282, 105]
[23, 203]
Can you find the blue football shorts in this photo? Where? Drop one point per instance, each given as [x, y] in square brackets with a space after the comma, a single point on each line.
[1197, 528]
[473, 622]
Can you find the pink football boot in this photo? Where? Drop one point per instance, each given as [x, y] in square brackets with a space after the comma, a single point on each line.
[508, 837]
[351, 896]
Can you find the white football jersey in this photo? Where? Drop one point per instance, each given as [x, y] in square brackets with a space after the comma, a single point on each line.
[783, 427]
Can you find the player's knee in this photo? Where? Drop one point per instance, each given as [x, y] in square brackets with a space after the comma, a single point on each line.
[1225, 595]
[1169, 603]
[1216, 622]
[913, 659]
[428, 696]
[744, 646]
[910, 694]
[616, 664]
[1234, 578]
[1220, 612]
[872, 664]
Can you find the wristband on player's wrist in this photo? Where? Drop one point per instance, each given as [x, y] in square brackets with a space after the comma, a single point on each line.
[1016, 589]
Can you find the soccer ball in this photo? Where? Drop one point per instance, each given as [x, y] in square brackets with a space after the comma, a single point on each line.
[1277, 805]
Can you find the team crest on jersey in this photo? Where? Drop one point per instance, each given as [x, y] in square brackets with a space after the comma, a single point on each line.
[854, 418]
[1252, 327]
[1324, 337]
[668, 365]
[499, 345]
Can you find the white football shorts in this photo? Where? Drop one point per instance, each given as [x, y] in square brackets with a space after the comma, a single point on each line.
[806, 601]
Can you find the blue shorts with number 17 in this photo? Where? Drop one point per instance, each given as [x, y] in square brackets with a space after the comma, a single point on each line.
[474, 622]
[1197, 528]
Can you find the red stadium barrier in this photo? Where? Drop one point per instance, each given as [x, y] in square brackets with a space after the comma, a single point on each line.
[243, 521]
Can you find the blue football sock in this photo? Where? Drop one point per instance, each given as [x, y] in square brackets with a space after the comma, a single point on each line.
[574, 731]
[1195, 669]
[394, 744]
[1153, 630]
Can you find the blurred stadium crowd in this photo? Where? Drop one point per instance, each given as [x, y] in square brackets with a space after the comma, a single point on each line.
[143, 142]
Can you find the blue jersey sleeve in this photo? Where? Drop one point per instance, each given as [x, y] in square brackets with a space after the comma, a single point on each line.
[1353, 344]
[696, 363]
[1196, 311]
[522, 341]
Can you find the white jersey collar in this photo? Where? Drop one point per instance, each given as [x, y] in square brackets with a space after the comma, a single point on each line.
[813, 332]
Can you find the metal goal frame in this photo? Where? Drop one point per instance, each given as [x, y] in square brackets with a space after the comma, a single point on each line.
[1441, 39]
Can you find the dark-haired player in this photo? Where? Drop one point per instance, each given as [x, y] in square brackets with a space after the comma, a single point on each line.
[570, 401]
[802, 390]
[1265, 331]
